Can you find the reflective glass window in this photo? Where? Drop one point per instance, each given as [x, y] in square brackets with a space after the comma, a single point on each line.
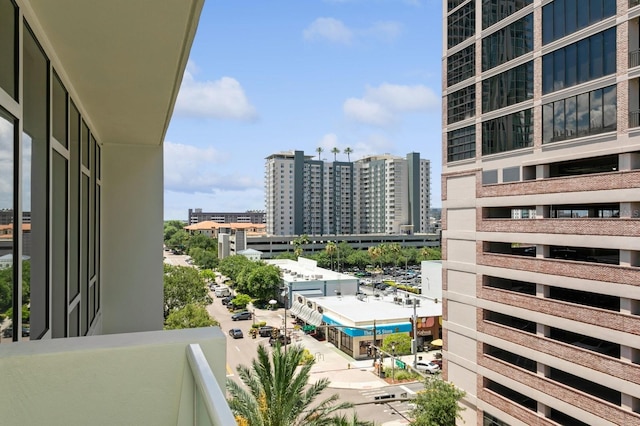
[59, 113]
[610, 48]
[588, 61]
[461, 24]
[547, 123]
[35, 149]
[583, 114]
[8, 50]
[563, 17]
[7, 214]
[461, 65]
[595, 111]
[508, 43]
[513, 131]
[570, 117]
[597, 56]
[461, 144]
[558, 120]
[461, 104]
[609, 105]
[494, 11]
[586, 114]
[508, 88]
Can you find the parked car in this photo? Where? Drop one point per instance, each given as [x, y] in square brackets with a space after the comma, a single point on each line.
[266, 331]
[236, 333]
[243, 315]
[428, 367]
[8, 332]
[226, 300]
[281, 338]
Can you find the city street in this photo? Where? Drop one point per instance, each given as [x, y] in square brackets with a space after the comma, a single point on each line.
[353, 380]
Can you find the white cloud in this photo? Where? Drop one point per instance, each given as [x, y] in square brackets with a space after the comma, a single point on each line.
[380, 105]
[328, 29]
[221, 99]
[368, 112]
[388, 30]
[190, 169]
[328, 141]
[374, 144]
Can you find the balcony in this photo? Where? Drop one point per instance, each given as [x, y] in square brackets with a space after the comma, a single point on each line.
[161, 378]
[634, 56]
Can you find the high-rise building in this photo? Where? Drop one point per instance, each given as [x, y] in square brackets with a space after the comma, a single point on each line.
[541, 202]
[376, 194]
[250, 216]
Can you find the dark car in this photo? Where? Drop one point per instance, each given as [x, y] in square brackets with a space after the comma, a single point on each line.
[265, 331]
[281, 338]
[236, 333]
[226, 300]
[8, 332]
[244, 315]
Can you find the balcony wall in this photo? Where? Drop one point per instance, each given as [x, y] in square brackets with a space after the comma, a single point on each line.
[586, 183]
[604, 227]
[563, 268]
[118, 379]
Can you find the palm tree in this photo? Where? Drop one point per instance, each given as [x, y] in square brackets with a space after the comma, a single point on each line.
[348, 151]
[319, 150]
[335, 151]
[279, 394]
[331, 249]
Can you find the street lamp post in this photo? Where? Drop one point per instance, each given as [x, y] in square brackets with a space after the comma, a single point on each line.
[285, 295]
[393, 363]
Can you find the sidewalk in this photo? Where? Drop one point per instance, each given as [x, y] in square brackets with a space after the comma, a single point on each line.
[342, 370]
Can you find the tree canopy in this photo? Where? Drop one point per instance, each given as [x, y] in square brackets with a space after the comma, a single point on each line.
[183, 286]
[191, 316]
[437, 404]
[401, 342]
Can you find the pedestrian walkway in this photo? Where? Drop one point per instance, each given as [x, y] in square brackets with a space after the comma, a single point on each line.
[342, 370]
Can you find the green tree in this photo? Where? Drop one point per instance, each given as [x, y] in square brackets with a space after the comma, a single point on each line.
[178, 241]
[208, 275]
[335, 151]
[401, 342]
[191, 316]
[299, 243]
[431, 253]
[171, 227]
[437, 404]
[348, 151]
[278, 392]
[359, 258]
[319, 150]
[331, 250]
[202, 241]
[263, 281]
[183, 286]
[241, 301]
[231, 266]
[204, 258]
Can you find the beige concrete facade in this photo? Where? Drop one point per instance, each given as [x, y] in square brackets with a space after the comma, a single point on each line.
[542, 314]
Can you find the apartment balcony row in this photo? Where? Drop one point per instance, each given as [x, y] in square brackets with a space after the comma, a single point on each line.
[603, 227]
[160, 378]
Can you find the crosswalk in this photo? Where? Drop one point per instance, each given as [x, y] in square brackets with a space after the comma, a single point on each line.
[382, 395]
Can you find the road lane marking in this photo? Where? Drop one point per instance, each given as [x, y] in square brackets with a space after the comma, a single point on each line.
[229, 371]
[406, 389]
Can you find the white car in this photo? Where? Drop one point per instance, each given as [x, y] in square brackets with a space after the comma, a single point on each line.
[428, 367]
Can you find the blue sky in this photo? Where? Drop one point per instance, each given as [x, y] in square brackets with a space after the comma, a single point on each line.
[271, 76]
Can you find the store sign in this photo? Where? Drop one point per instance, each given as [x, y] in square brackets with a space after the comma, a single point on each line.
[424, 326]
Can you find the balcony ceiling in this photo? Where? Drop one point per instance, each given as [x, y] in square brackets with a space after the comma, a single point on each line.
[125, 60]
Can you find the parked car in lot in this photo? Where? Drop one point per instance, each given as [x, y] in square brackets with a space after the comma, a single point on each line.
[226, 300]
[243, 315]
[428, 367]
[8, 332]
[284, 340]
[265, 331]
[236, 333]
